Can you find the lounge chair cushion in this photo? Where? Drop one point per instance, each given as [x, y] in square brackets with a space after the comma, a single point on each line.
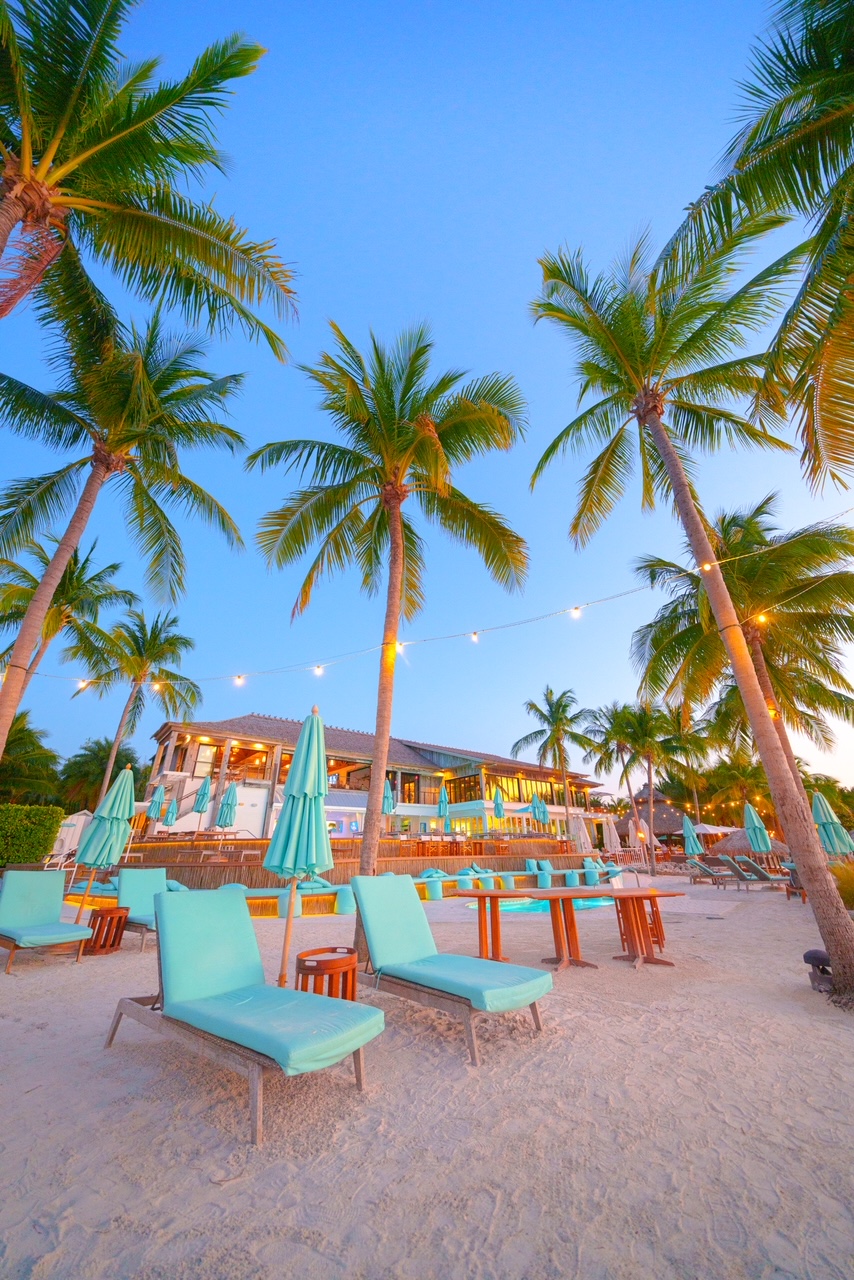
[487, 984]
[45, 935]
[207, 945]
[299, 1030]
[136, 890]
[30, 898]
[148, 921]
[395, 924]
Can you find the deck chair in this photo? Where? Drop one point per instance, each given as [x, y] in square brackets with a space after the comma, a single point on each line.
[699, 870]
[30, 915]
[742, 876]
[136, 890]
[767, 877]
[406, 963]
[213, 999]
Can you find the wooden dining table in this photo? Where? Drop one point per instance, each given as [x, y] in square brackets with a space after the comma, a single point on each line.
[638, 919]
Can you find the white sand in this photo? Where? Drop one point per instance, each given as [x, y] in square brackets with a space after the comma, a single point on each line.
[670, 1124]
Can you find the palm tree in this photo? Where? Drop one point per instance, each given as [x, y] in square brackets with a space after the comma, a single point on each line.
[28, 769]
[129, 402]
[794, 593]
[95, 153]
[656, 346]
[647, 728]
[135, 652]
[82, 593]
[607, 744]
[687, 746]
[82, 774]
[794, 155]
[405, 431]
[559, 725]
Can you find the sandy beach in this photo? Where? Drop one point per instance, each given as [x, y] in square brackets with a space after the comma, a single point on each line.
[671, 1123]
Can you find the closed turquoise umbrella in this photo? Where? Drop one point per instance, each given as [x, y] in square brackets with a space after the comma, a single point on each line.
[498, 804]
[833, 836]
[105, 838]
[444, 807]
[170, 817]
[388, 799]
[300, 843]
[540, 812]
[693, 848]
[202, 800]
[155, 804]
[758, 837]
[228, 807]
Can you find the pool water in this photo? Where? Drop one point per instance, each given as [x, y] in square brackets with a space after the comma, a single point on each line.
[541, 905]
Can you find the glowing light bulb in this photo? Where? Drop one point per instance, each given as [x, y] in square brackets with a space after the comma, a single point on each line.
[82, 684]
[318, 671]
[475, 637]
[400, 647]
[575, 611]
[762, 618]
[155, 685]
[707, 568]
[238, 680]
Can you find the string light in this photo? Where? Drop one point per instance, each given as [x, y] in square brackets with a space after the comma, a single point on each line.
[575, 612]
[82, 684]
[707, 568]
[238, 680]
[318, 671]
[155, 686]
[475, 637]
[399, 648]
[761, 618]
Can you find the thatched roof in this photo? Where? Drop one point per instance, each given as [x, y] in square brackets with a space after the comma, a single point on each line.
[667, 819]
[738, 843]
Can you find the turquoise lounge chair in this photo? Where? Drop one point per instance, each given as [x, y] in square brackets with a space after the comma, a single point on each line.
[699, 870]
[742, 876]
[214, 999]
[406, 963]
[136, 891]
[767, 877]
[30, 915]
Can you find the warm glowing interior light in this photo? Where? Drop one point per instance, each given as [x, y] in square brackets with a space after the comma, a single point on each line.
[259, 746]
[204, 739]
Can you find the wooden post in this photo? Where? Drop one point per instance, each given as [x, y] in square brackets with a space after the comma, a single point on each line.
[274, 782]
[286, 945]
[220, 783]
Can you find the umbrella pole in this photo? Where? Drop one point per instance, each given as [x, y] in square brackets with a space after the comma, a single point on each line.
[83, 899]
[286, 945]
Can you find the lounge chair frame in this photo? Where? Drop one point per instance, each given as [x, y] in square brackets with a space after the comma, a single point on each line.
[8, 944]
[226, 1053]
[429, 997]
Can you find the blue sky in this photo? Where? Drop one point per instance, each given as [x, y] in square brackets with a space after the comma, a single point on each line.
[412, 162]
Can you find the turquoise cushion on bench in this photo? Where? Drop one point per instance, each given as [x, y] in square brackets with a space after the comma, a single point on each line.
[45, 935]
[531, 867]
[487, 984]
[299, 1030]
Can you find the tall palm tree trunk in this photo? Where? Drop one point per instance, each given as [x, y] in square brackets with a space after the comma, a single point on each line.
[653, 869]
[117, 741]
[31, 627]
[385, 692]
[696, 801]
[622, 759]
[834, 923]
[34, 665]
[11, 213]
[565, 797]
[771, 701]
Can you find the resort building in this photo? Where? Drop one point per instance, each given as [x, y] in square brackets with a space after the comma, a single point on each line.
[255, 751]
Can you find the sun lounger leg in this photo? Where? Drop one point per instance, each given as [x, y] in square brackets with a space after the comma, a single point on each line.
[114, 1026]
[80, 949]
[471, 1038]
[359, 1065]
[12, 950]
[256, 1104]
[535, 1014]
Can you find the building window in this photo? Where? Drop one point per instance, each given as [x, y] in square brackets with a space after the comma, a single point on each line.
[207, 760]
[409, 788]
[509, 786]
[463, 790]
[179, 759]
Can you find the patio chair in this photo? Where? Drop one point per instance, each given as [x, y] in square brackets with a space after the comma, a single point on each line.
[699, 870]
[755, 869]
[213, 998]
[136, 891]
[30, 915]
[794, 889]
[406, 963]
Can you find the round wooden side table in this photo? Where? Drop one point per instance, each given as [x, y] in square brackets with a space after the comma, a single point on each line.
[328, 971]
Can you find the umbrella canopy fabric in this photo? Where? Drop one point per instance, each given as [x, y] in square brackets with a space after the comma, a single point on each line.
[693, 848]
[760, 841]
[833, 836]
[300, 843]
[170, 817]
[155, 804]
[107, 834]
[635, 830]
[579, 835]
[498, 804]
[203, 797]
[444, 807]
[228, 807]
[610, 836]
[388, 799]
[539, 810]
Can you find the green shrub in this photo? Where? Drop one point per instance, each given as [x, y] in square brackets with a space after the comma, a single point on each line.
[845, 883]
[27, 831]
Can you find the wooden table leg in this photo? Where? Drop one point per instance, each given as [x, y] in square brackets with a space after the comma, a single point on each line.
[559, 931]
[482, 930]
[640, 948]
[495, 928]
[573, 944]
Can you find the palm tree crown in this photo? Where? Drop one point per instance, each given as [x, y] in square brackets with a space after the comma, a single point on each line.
[794, 594]
[559, 725]
[404, 433]
[28, 768]
[82, 593]
[145, 656]
[96, 153]
[654, 341]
